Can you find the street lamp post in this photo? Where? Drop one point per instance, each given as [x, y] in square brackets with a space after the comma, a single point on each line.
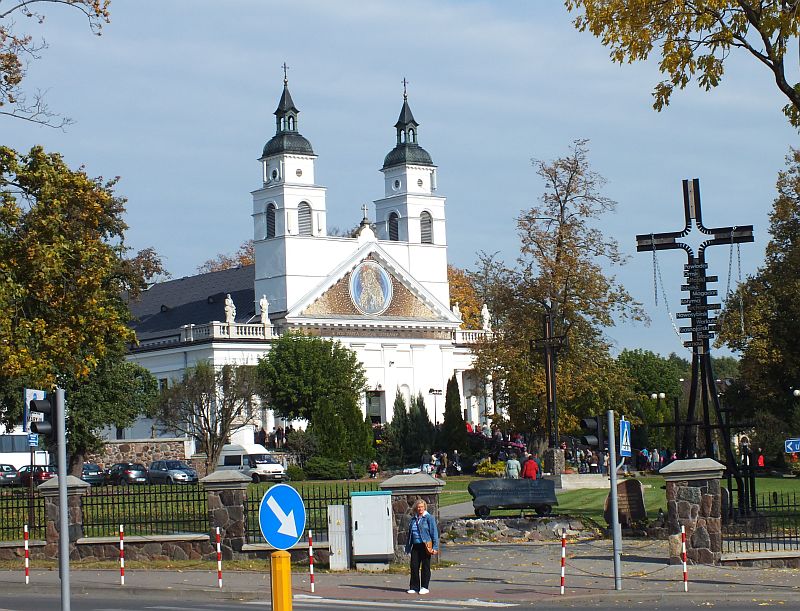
[658, 397]
[435, 392]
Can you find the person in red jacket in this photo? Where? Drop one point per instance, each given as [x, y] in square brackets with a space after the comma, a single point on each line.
[530, 469]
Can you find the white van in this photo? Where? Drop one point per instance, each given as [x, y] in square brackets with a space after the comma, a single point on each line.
[253, 460]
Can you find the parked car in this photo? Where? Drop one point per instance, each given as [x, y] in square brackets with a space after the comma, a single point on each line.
[38, 473]
[8, 475]
[171, 472]
[93, 474]
[127, 473]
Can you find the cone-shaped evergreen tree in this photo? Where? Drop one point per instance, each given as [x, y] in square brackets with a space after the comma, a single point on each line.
[419, 437]
[398, 431]
[454, 431]
[329, 430]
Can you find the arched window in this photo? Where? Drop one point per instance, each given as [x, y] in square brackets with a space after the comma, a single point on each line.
[394, 227]
[426, 228]
[271, 221]
[412, 136]
[291, 123]
[304, 225]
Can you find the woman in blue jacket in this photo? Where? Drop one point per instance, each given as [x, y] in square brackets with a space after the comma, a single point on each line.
[421, 529]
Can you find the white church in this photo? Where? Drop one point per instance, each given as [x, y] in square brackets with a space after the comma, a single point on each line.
[384, 293]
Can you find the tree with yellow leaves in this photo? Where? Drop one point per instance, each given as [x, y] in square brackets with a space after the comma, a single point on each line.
[560, 269]
[695, 37]
[63, 271]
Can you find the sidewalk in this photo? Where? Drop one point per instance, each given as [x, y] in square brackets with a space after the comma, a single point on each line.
[490, 572]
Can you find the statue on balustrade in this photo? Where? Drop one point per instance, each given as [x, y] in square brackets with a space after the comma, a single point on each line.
[263, 304]
[230, 310]
[487, 323]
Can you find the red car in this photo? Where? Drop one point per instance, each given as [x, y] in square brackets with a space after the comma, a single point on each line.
[39, 473]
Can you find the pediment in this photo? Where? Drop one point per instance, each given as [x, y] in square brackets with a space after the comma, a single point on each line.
[371, 286]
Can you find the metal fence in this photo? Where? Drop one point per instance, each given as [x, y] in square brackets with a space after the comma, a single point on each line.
[17, 508]
[166, 509]
[774, 526]
[316, 498]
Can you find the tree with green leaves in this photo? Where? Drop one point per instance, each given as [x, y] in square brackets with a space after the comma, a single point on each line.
[114, 394]
[769, 368]
[301, 370]
[694, 38]
[420, 434]
[208, 403]
[561, 268]
[652, 374]
[453, 435]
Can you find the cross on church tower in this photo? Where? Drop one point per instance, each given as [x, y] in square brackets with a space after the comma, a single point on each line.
[285, 73]
[702, 327]
[365, 209]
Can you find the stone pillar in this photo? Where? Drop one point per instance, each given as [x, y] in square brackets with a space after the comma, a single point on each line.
[694, 502]
[76, 488]
[406, 489]
[554, 461]
[227, 491]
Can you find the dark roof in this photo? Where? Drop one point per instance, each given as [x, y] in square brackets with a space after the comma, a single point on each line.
[166, 306]
[406, 118]
[286, 103]
[407, 153]
[287, 142]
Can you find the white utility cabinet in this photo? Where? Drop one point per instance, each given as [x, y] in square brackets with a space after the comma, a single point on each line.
[339, 537]
[371, 517]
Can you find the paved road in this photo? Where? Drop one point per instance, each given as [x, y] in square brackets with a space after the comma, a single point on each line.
[525, 576]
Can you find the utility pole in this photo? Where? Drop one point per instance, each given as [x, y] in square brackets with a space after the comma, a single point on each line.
[615, 527]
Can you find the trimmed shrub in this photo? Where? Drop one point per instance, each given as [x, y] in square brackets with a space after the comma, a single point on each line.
[325, 468]
[491, 469]
[295, 473]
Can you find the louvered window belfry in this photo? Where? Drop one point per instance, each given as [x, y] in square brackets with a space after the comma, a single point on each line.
[271, 221]
[426, 228]
[394, 227]
[304, 223]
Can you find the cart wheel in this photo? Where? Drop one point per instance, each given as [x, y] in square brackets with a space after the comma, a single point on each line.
[543, 510]
[482, 512]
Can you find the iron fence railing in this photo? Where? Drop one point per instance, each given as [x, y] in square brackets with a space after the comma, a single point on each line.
[316, 498]
[165, 509]
[773, 527]
[18, 508]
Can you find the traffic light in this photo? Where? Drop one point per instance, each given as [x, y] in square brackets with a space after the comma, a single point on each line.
[46, 426]
[593, 432]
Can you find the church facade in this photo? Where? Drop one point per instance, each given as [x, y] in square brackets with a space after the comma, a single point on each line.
[383, 293]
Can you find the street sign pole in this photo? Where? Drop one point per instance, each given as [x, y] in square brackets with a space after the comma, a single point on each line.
[282, 520]
[63, 517]
[615, 528]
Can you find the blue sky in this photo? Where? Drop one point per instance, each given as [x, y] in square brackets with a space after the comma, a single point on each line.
[176, 97]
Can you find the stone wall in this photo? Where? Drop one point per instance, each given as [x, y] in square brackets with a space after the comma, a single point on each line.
[151, 548]
[695, 505]
[142, 451]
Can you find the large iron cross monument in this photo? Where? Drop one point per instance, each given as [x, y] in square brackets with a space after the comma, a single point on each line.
[702, 327]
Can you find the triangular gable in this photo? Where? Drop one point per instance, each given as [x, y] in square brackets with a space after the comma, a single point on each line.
[371, 285]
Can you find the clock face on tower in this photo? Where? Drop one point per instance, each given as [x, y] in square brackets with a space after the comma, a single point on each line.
[370, 288]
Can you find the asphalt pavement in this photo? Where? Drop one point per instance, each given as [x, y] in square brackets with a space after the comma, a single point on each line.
[482, 575]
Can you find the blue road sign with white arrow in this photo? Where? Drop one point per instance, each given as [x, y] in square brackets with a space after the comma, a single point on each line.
[625, 438]
[792, 446]
[282, 516]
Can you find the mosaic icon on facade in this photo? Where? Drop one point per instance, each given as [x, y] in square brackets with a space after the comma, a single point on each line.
[370, 288]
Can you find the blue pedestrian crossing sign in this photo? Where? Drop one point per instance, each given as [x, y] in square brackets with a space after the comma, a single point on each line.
[282, 516]
[625, 438]
[792, 445]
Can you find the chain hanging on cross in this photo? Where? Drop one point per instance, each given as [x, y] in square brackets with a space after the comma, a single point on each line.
[698, 309]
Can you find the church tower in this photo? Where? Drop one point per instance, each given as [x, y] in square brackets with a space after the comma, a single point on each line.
[410, 210]
[289, 210]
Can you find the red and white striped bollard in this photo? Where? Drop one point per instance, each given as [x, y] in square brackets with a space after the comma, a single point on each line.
[563, 555]
[121, 555]
[27, 556]
[683, 557]
[219, 560]
[311, 558]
